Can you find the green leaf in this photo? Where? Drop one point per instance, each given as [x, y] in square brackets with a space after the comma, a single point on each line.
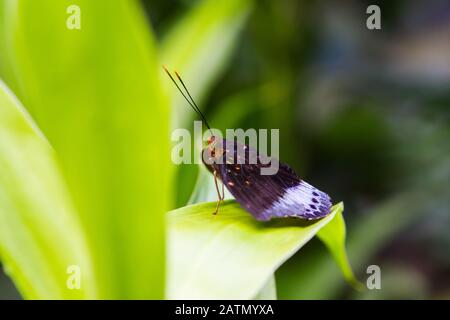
[96, 95]
[200, 45]
[319, 278]
[40, 234]
[230, 255]
[333, 236]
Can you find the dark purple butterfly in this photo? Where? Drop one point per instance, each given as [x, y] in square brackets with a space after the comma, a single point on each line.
[280, 195]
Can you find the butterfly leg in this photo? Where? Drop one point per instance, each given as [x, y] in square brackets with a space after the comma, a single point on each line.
[218, 193]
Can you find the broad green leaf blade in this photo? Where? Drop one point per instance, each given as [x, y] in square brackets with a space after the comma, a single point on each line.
[200, 45]
[333, 236]
[230, 255]
[40, 235]
[96, 95]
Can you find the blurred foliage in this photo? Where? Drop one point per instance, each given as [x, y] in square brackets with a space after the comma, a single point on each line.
[363, 115]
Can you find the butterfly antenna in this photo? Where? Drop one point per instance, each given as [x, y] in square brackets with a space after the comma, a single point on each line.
[191, 102]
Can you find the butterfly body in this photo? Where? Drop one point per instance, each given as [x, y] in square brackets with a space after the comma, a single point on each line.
[280, 195]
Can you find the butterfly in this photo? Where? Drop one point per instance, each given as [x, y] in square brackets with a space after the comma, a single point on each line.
[265, 197]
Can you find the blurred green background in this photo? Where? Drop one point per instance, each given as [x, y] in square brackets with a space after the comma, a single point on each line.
[363, 115]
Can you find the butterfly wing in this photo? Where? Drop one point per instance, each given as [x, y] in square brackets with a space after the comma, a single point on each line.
[279, 195]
